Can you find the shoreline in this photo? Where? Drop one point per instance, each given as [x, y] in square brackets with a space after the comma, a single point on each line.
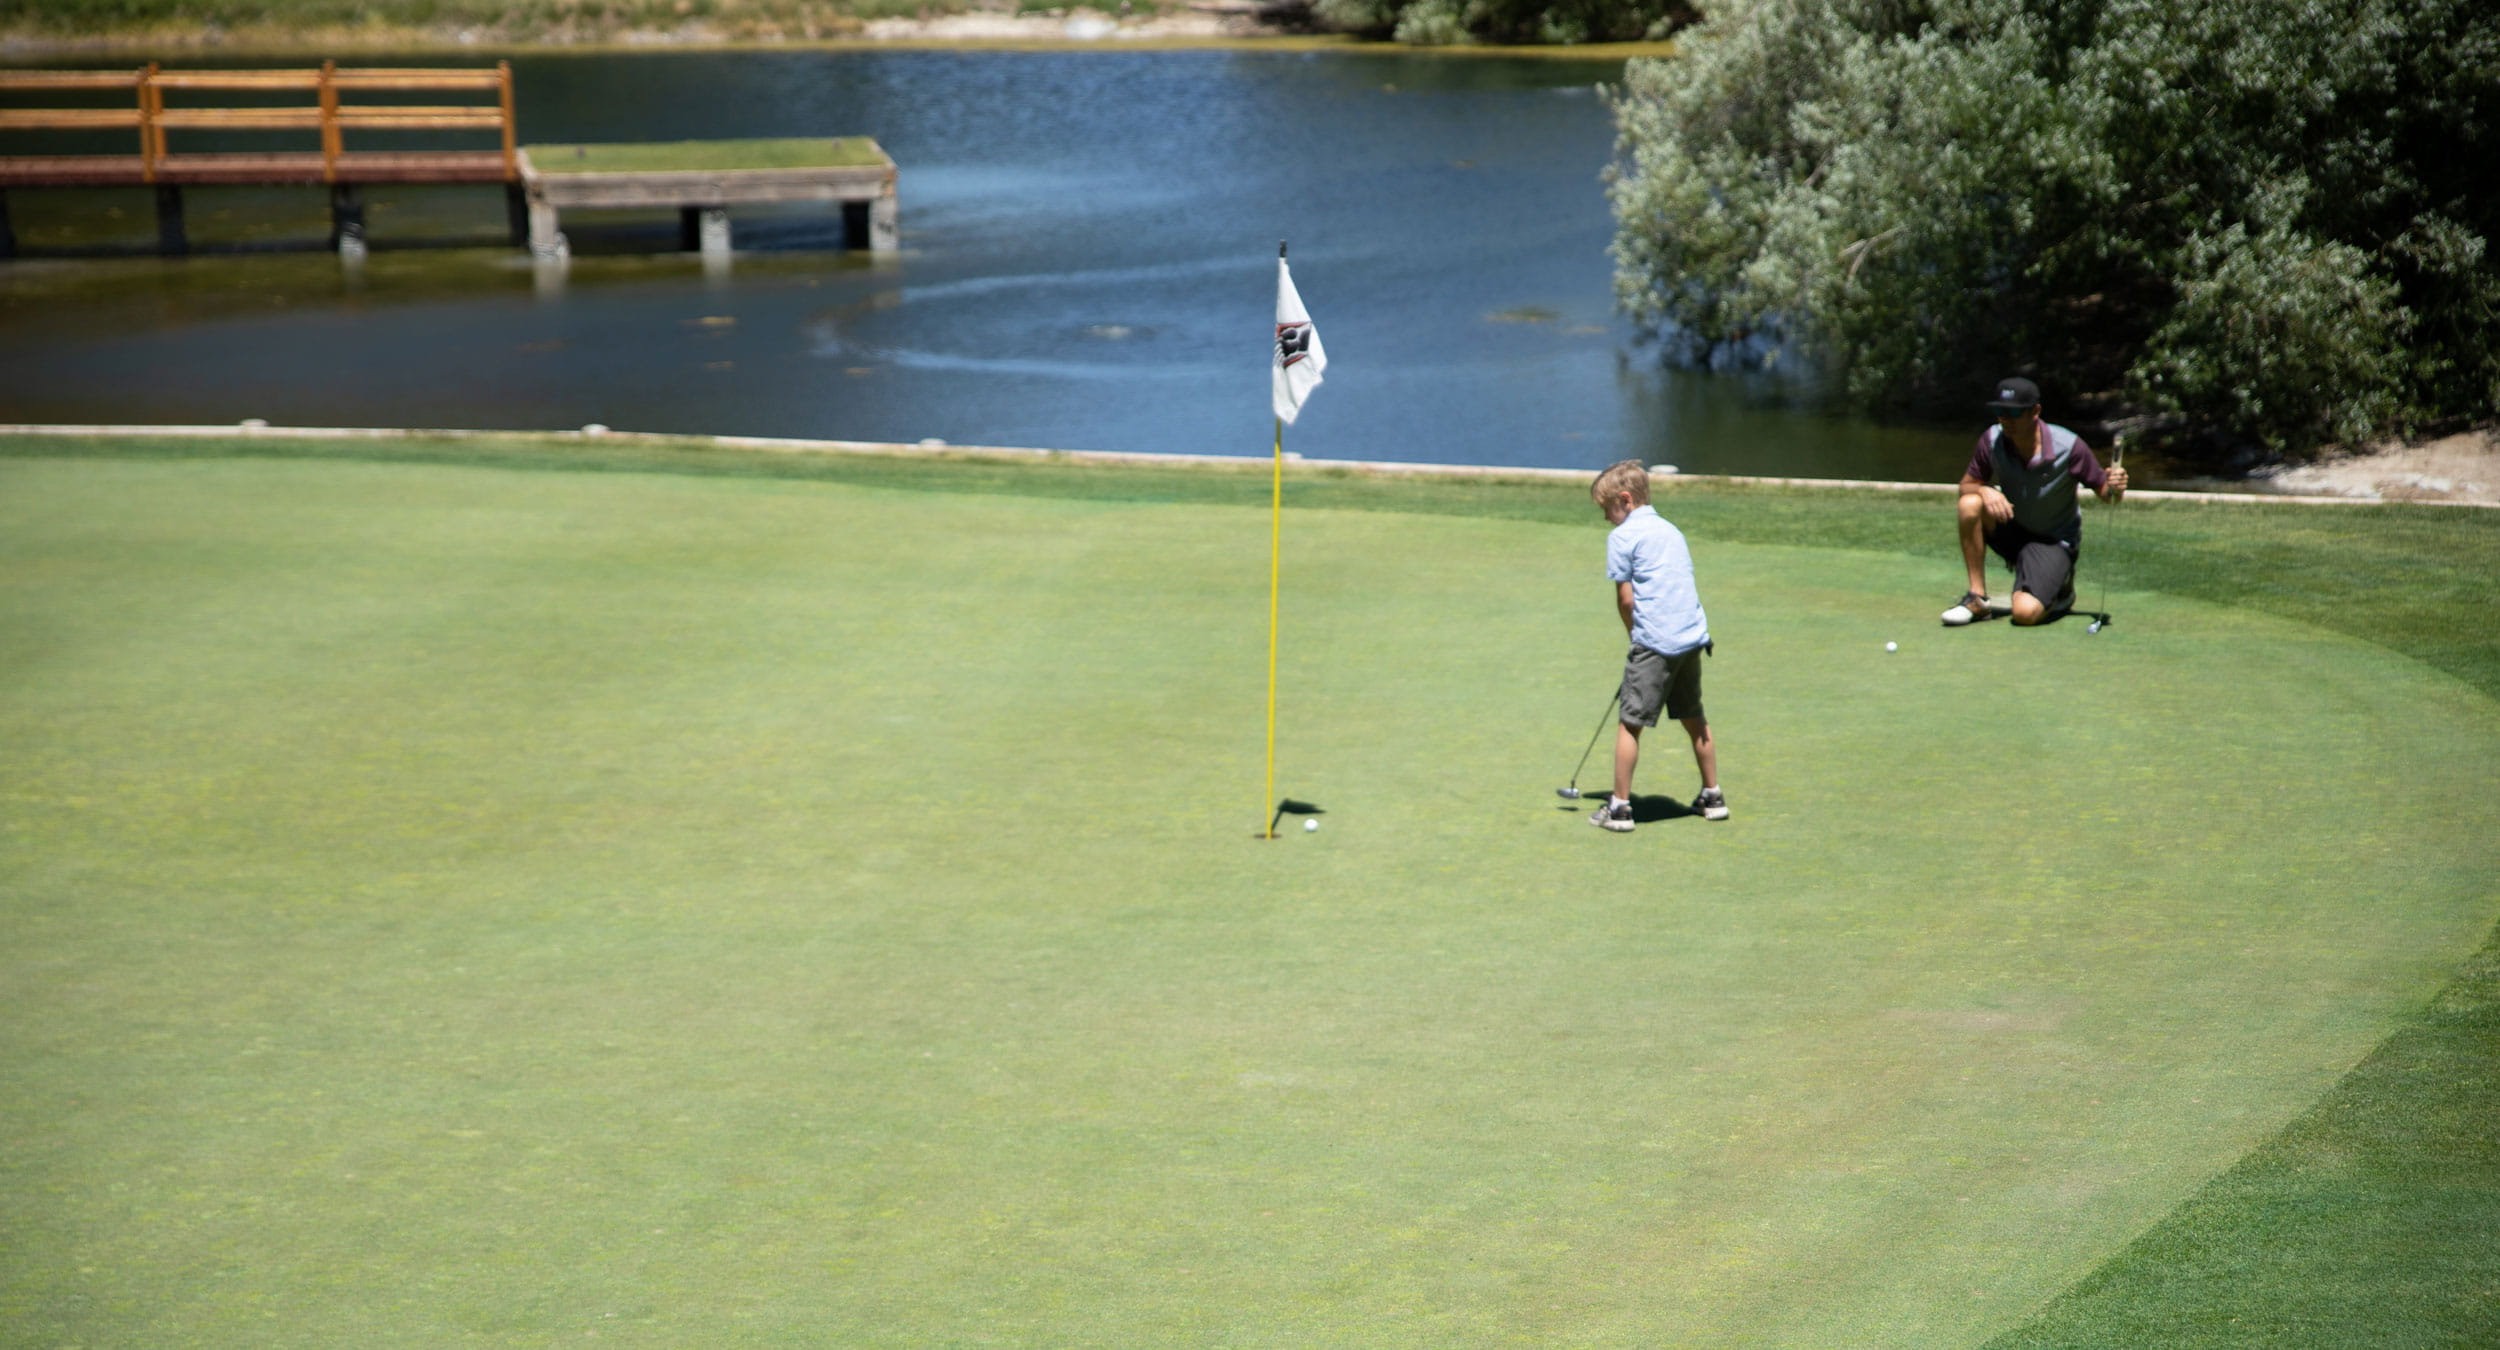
[1234, 463]
[1074, 29]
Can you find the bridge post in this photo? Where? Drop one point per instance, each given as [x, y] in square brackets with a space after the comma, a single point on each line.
[516, 212]
[347, 220]
[8, 235]
[171, 240]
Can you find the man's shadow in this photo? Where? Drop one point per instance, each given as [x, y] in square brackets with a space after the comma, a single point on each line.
[1647, 808]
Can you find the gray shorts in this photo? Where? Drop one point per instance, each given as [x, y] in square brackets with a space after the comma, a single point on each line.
[1652, 679]
[2041, 564]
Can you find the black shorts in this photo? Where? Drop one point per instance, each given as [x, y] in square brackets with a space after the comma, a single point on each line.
[2043, 565]
[1652, 679]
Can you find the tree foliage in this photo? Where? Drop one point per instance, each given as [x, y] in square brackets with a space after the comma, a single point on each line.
[2254, 222]
[1434, 23]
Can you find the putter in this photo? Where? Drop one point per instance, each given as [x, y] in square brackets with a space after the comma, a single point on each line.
[1572, 793]
[2117, 460]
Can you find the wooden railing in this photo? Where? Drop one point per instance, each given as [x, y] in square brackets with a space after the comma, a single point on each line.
[326, 115]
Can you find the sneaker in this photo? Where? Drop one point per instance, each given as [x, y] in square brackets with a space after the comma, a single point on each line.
[1973, 607]
[1712, 804]
[1615, 816]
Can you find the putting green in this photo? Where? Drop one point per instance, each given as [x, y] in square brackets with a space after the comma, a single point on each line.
[447, 904]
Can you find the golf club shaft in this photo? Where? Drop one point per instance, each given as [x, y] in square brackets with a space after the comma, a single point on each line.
[1603, 718]
[2117, 460]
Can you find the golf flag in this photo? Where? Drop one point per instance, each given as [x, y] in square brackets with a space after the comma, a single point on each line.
[1298, 363]
[1299, 358]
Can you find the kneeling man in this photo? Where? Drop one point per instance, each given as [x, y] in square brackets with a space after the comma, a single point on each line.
[2018, 499]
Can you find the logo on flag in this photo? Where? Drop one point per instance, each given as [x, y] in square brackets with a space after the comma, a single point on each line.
[1299, 357]
[1293, 342]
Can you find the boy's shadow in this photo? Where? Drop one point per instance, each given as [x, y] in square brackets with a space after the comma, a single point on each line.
[1647, 808]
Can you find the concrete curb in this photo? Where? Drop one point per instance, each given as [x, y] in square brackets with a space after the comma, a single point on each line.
[943, 450]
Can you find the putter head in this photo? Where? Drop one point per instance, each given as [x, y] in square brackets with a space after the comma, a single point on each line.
[2092, 627]
[1569, 794]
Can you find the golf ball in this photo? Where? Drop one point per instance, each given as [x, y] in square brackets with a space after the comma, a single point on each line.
[1310, 825]
[1892, 646]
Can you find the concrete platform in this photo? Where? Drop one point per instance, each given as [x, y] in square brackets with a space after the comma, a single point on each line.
[702, 180]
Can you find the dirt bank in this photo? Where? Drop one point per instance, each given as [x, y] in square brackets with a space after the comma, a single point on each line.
[2461, 468]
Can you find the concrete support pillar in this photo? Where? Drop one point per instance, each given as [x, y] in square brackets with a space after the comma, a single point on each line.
[885, 230]
[705, 228]
[546, 239]
[516, 213]
[347, 221]
[712, 231]
[870, 225]
[171, 239]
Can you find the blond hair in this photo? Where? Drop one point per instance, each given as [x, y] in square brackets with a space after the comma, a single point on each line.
[1625, 477]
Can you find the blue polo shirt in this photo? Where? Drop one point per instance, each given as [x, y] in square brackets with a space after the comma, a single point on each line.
[1666, 607]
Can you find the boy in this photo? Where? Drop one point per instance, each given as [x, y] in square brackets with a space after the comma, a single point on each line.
[1661, 611]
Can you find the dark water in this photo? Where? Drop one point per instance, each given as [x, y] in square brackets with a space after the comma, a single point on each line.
[1088, 263]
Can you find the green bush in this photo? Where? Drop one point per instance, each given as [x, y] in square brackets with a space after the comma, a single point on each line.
[2242, 222]
[1525, 22]
[1431, 23]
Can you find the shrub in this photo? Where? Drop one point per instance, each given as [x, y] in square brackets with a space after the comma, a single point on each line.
[2233, 218]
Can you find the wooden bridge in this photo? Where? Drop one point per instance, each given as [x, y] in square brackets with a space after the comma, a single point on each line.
[332, 103]
[327, 113]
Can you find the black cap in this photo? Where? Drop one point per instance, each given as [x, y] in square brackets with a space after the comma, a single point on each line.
[2015, 394]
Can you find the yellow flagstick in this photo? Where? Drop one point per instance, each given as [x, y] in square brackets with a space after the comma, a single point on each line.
[1275, 577]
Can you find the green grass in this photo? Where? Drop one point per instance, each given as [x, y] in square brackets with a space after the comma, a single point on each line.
[715, 156]
[2400, 576]
[2368, 1222]
[720, 896]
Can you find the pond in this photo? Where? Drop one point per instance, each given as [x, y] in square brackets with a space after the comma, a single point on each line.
[1087, 255]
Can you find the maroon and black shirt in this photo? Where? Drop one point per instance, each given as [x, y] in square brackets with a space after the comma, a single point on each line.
[2042, 488]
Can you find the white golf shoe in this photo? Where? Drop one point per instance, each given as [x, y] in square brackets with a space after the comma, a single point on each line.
[1975, 607]
[1615, 816]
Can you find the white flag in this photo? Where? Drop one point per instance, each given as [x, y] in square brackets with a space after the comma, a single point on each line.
[1299, 358]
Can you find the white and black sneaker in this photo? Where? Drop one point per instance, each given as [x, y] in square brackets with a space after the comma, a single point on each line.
[1615, 816]
[1711, 804]
[1974, 607]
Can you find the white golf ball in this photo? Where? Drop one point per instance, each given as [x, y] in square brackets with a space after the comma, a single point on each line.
[1892, 646]
[1310, 825]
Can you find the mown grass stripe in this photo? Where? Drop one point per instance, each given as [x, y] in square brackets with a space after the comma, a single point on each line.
[2399, 575]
